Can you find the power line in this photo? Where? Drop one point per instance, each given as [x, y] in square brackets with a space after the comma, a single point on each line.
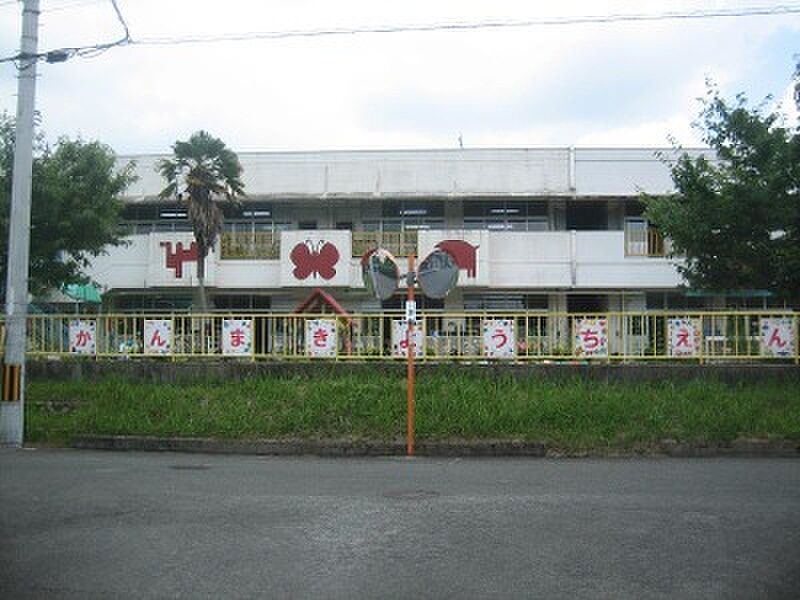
[476, 25]
[68, 4]
[23, 60]
[71, 5]
[62, 54]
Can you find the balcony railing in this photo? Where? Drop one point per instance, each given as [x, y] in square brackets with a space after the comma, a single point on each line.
[399, 243]
[250, 245]
[640, 241]
[266, 244]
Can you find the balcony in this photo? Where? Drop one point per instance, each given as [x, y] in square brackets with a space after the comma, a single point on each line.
[250, 245]
[645, 241]
[399, 243]
[591, 260]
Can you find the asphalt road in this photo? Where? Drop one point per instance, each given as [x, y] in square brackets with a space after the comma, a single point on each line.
[82, 524]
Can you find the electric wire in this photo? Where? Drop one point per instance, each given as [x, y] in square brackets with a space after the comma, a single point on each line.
[72, 5]
[61, 54]
[752, 11]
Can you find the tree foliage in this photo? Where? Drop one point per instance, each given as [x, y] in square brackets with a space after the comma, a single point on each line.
[75, 207]
[202, 172]
[735, 216]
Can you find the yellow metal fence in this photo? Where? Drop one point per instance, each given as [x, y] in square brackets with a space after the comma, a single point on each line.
[531, 336]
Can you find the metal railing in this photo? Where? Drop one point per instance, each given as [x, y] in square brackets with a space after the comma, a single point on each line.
[645, 242]
[250, 245]
[399, 243]
[679, 336]
[262, 245]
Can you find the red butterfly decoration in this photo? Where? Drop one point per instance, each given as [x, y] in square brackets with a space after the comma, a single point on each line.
[317, 260]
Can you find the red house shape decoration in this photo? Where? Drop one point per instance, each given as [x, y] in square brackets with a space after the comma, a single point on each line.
[464, 253]
[314, 259]
[176, 259]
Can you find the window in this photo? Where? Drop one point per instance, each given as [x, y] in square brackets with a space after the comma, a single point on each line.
[398, 302]
[506, 215]
[635, 236]
[242, 302]
[536, 302]
[147, 302]
[586, 303]
[673, 301]
[493, 302]
[412, 215]
[587, 216]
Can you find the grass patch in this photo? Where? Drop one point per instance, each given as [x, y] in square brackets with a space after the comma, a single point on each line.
[574, 415]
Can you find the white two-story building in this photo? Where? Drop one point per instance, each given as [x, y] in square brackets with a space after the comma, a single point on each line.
[545, 229]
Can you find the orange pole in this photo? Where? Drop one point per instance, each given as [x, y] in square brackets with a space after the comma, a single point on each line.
[411, 351]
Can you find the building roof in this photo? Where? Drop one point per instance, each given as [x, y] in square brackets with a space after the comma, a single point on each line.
[447, 173]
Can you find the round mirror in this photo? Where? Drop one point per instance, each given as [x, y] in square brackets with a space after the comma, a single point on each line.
[380, 272]
[437, 274]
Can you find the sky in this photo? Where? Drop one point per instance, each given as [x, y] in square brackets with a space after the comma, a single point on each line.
[631, 83]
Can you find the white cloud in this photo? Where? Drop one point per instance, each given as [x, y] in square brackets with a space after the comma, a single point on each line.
[613, 84]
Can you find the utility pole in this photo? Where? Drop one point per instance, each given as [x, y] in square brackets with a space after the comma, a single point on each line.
[12, 402]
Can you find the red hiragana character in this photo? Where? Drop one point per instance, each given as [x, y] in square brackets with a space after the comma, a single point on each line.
[683, 338]
[157, 340]
[82, 339]
[320, 338]
[502, 336]
[590, 339]
[775, 338]
[237, 338]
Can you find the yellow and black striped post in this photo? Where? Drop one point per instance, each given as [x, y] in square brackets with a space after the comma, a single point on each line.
[12, 383]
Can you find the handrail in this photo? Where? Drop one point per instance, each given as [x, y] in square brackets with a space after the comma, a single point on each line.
[522, 336]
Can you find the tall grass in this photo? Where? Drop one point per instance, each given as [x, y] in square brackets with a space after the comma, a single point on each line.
[574, 414]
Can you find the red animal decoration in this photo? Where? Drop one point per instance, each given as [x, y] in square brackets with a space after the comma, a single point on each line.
[464, 253]
[310, 259]
[176, 259]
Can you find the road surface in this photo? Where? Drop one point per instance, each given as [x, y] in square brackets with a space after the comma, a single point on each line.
[84, 524]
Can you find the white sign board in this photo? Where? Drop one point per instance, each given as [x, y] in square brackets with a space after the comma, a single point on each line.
[591, 337]
[237, 336]
[83, 336]
[321, 338]
[315, 258]
[469, 249]
[400, 338]
[172, 260]
[499, 340]
[777, 336]
[685, 337]
[157, 336]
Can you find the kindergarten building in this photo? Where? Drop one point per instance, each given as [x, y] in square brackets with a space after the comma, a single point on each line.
[555, 259]
[545, 229]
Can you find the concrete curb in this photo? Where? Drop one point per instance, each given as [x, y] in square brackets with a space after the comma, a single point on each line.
[452, 448]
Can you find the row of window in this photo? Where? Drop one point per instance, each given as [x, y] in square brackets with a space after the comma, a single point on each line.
[406, 215]
[516, 302]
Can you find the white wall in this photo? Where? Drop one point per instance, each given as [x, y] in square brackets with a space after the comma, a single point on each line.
[505, 260]
[624, 171]
[600, 262]
[535, 260]
[437, 173]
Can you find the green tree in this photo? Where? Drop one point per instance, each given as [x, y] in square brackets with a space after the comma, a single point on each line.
[75, 207]
[735, 215]
[202, 172]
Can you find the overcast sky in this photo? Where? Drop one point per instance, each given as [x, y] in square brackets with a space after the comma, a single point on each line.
[615, 84]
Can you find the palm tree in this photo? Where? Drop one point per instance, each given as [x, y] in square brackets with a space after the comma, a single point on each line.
[202, 172]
